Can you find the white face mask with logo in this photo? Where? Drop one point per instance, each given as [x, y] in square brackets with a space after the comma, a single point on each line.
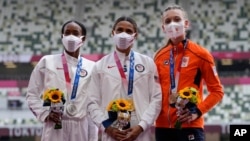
[123, 40]
[174, 29]
[72, 43]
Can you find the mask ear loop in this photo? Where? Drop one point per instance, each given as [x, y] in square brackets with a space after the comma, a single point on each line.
[113, 33]
[133, 34]
[81, 37]
[82, 40]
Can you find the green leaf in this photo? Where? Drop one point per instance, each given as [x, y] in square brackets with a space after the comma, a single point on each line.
[177, 124]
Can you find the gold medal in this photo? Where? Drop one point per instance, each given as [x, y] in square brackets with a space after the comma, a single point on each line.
[71, 109]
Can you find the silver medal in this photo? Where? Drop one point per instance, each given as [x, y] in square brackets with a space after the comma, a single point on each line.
[71, 109]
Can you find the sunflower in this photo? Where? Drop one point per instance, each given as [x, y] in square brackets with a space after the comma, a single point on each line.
[185, 93]
[55, 96]
[123, 105]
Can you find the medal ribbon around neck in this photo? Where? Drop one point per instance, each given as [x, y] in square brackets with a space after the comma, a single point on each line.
[175, 79]
[67, 78]
[128, 84]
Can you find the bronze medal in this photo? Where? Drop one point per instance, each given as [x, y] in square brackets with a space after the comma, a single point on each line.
[173, 98]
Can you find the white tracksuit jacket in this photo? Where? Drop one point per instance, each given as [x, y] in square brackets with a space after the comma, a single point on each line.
[106, 85]
[49, 73]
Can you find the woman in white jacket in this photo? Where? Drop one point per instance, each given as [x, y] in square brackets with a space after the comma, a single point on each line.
[125, 73]
[70, 73]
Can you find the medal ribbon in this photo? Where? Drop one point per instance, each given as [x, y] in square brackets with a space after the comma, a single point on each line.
[67, 78]
[130, 82]
[175, 79]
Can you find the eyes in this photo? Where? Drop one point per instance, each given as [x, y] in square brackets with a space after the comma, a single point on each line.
[72, 32]
[174, 19]
[120, 30]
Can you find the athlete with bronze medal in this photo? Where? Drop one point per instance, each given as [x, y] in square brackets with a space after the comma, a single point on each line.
[175, 79]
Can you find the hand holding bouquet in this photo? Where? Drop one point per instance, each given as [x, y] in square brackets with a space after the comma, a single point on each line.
[187, 98]
[119, 113]
[55, 99]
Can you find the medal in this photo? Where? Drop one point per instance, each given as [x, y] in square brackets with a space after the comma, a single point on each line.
[173, 98]
[71, 109]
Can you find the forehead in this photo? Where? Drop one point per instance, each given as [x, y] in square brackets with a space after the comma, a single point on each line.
[125, 24]
[173, 13]
[72, 26]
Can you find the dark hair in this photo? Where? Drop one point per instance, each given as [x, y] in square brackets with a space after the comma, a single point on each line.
[84, 32]
[124, 18]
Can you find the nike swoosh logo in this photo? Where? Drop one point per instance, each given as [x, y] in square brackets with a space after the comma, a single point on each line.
[110, 67]
[59, 68]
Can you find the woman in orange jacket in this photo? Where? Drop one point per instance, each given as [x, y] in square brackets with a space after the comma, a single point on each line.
[184, 65]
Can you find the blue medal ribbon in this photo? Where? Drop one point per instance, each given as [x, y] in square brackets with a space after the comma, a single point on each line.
[131, 73]
[172, 76]
[172, 69]
[76, 81]
[77, 76]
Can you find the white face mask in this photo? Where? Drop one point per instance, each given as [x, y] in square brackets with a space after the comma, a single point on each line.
[123, 40]
[174, 29]
[72, 43]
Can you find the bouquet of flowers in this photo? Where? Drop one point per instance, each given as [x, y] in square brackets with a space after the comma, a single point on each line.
[187, 98]
[55, 99]
[119, 113]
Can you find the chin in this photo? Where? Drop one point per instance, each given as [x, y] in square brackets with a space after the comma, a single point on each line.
[178, 38]
[123, 49]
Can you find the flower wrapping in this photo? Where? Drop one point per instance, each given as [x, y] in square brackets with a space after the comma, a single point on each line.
[119, 112]
[186, 98]
[55, 99]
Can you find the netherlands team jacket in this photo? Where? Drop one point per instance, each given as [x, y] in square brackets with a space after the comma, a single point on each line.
[197, 68]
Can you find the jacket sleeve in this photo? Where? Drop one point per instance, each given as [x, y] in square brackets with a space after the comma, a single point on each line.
[94, 99]
[93, 130]
[35, 90]
[215, 89]
[151, 113]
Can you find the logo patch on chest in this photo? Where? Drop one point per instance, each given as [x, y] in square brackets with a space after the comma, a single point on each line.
[166, 62]
[139, 68]
[184, 62]
[83, 73]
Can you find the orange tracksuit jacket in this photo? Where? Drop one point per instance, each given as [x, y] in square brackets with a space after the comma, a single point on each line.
[197, 65]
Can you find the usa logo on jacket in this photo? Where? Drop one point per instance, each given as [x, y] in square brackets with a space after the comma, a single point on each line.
[139, 68]
[83, 73]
